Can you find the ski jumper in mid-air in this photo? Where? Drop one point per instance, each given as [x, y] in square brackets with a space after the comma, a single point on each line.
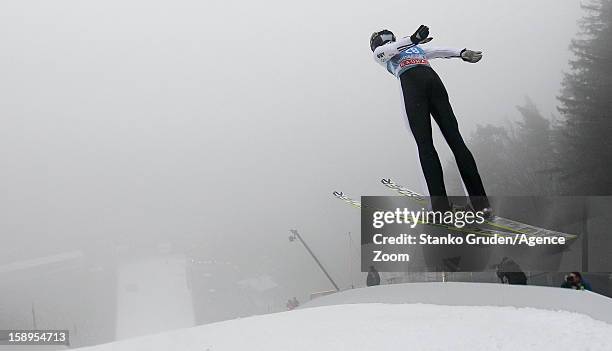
[425, 95]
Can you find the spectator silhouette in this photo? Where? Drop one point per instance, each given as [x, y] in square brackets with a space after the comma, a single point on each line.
[575, 281]
[373, 277]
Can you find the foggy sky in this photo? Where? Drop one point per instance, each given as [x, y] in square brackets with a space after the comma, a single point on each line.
[230, 122]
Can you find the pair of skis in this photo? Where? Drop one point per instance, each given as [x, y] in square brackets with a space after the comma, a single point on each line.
[498, 225]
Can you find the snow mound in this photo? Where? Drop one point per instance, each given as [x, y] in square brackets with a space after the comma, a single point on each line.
[477, 294]
[374, 326]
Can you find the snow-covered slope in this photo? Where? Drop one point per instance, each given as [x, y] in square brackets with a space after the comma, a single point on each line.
[392, 325]
[478, 294]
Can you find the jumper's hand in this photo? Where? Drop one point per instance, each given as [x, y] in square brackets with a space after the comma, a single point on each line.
[421, 34]
[471, 56]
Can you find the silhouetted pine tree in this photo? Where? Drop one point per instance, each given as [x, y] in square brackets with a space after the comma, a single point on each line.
[514, 160]
[534, 152]
[585, 133]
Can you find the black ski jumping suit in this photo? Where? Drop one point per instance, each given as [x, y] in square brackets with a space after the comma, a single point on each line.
[425, 95]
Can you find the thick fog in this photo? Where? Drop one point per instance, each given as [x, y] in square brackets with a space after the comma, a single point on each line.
[210, 128]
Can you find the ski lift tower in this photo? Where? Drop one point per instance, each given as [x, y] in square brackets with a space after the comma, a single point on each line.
[296, 236]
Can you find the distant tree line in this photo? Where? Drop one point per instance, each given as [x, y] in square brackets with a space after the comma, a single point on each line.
[566, 155]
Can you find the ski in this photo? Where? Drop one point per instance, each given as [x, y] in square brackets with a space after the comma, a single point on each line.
[504, 224]
[423, 202]
[340, 195]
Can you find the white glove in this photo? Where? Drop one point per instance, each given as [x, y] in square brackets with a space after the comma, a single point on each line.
[471, 56]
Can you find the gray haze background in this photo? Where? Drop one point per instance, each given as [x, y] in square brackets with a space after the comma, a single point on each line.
[226, 123]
